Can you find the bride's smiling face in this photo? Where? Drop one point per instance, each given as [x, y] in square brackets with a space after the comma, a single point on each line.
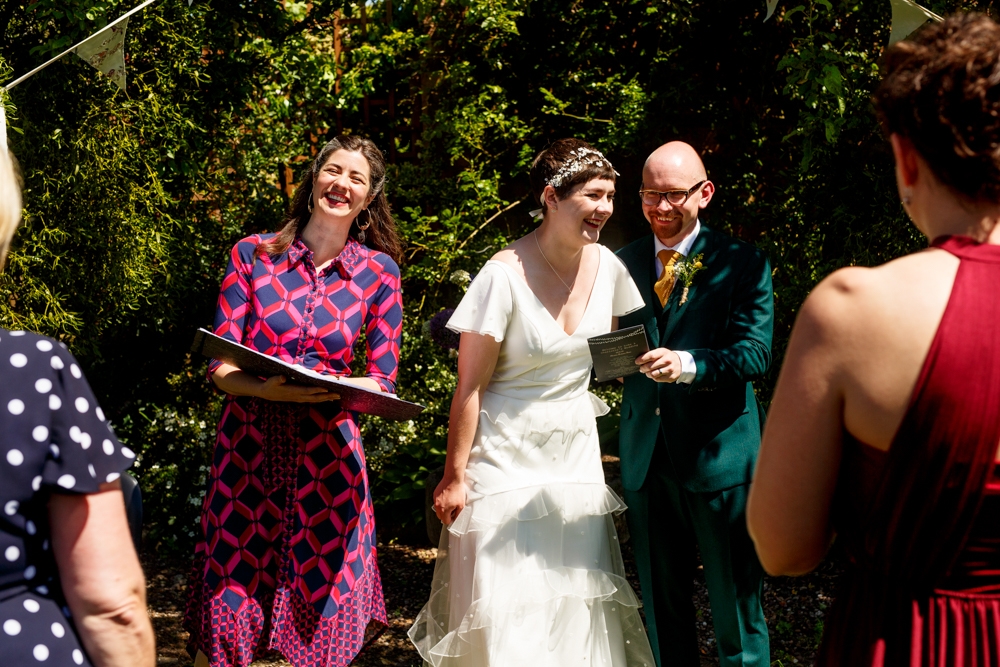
[586, 208]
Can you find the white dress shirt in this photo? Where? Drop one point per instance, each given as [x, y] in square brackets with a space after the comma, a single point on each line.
[688, 367]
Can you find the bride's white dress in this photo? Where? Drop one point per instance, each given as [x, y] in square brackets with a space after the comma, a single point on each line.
[530, 573]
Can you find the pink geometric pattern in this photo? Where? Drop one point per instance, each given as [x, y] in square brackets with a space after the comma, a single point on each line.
[288, 557]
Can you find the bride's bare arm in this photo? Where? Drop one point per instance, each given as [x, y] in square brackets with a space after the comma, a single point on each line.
[477, 357]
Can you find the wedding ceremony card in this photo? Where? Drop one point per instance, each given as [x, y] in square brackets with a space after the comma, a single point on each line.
[614, 353]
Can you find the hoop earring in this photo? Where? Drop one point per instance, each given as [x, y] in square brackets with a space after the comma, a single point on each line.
[361, 230]
[309, 203]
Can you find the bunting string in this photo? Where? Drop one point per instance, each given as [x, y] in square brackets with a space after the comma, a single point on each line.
[104, 50]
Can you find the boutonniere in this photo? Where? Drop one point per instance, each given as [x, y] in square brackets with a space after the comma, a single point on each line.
[685, 271]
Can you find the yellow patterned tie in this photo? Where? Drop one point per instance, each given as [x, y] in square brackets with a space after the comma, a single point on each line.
[665, 283]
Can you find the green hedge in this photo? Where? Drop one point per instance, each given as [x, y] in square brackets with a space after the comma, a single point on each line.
[133, 198]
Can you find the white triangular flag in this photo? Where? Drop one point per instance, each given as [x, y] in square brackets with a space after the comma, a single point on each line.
[907, 16]
[771, 5]
[105, 51]
[99, 50]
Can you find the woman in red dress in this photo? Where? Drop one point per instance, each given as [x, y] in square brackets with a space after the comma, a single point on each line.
[287, 561]
[885, 424]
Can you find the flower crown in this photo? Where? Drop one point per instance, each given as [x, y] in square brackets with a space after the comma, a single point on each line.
[579, 159]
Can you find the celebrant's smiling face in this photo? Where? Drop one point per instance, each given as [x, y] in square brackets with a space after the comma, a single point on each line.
[587, 208]
[340, 189]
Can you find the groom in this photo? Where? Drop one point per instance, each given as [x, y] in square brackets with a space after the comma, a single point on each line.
[690, 424]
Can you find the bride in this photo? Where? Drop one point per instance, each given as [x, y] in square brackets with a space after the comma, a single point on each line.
[529, 570]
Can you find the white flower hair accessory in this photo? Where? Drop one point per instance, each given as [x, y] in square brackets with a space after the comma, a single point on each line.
[579, 159]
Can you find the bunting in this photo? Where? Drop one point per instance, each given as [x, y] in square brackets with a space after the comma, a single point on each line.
[105, 50]
[907, 16]
[771, 5]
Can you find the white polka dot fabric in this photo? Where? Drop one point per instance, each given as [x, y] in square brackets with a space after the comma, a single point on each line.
[34, 631]
[55, 439]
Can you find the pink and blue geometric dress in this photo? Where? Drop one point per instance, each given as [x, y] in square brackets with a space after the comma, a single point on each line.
[287, 557]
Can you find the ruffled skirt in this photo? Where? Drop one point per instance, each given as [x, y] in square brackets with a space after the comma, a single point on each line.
[534, 575]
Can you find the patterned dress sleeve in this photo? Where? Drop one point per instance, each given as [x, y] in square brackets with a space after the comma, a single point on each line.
[83, 450]
[487, 306]
[235, 295]
[384, 329]
[626, 298]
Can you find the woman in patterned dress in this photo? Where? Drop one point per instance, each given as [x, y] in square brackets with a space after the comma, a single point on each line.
[287, 561]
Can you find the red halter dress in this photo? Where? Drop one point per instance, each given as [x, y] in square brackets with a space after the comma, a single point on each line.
[921, 523]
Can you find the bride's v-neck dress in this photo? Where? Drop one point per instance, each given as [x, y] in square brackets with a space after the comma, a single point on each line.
[530, 572]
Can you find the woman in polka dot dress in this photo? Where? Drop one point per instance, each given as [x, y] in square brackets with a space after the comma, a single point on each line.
[71, 588]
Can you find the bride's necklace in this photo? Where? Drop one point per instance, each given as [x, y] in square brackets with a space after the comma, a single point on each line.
[538, 245]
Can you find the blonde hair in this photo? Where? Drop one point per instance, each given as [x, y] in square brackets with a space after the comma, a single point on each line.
[10, 201]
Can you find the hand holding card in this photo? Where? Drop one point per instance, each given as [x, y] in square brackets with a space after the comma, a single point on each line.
[614, 353]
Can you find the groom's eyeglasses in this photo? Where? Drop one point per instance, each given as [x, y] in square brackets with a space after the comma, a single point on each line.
[673, 197]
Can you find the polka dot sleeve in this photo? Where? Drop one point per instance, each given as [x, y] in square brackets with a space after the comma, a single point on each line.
[61, 418]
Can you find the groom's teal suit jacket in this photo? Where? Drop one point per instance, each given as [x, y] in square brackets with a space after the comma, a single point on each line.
[711, 427]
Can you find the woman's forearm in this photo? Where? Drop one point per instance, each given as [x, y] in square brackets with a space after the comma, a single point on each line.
[101, 577]
[238, 383]
[462, 425]
[121, 637]
[366, 382]
[232, 380]
[477, 358]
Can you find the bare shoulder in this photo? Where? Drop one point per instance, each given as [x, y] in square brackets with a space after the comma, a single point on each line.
[927, 266]
[508, 256]
[832, 305]
[853, 302]
[516, 255]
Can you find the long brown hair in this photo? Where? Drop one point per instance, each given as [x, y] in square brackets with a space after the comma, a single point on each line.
[381, 232]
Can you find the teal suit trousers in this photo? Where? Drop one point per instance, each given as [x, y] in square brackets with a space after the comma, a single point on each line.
[668, 526]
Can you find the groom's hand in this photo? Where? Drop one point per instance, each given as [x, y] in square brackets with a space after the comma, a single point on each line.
[660, 365]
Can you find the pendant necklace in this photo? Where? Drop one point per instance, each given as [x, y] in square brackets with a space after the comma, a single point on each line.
[538, 245]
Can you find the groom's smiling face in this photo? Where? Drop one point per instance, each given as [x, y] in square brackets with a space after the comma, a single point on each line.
[675, 167]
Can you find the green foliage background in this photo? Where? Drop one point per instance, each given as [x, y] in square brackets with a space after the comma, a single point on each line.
[133, 198]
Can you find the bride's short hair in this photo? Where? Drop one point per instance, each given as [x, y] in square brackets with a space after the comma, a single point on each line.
[565, 164]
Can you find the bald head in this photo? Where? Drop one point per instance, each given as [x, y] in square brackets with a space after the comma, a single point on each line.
[674, 161]
[675, 168]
